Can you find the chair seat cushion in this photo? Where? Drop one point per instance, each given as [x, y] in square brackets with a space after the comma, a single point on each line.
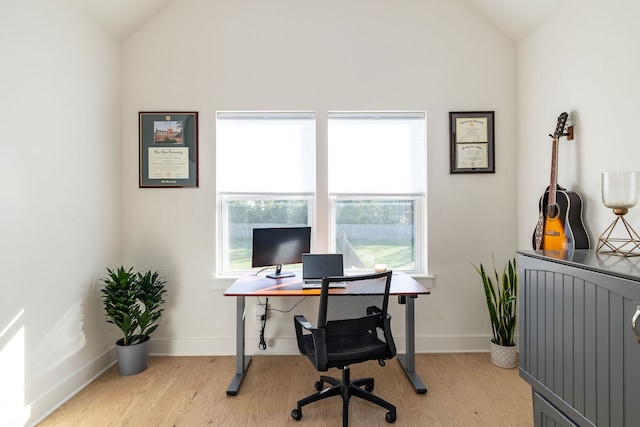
[354, 346]
[343, 350]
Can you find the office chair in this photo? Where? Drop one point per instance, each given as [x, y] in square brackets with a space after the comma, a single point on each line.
[350, 329]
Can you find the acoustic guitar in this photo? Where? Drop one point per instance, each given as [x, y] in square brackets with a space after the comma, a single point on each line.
[560, 226]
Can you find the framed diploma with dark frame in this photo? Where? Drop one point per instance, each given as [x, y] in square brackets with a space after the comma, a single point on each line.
[472, 142]
[168, 149]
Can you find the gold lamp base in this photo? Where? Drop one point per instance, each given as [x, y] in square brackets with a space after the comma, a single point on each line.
[627, 245]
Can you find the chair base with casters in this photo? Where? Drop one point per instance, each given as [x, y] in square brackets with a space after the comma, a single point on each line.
[352, 327]
[345, 388]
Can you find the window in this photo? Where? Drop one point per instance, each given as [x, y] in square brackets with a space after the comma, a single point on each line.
[265, 169]
[377, 188]
[372, 202]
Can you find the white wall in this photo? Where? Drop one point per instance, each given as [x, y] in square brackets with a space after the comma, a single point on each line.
[63, 174]
[584, 61]
[60, 202]
[434, 56]
[70, 201]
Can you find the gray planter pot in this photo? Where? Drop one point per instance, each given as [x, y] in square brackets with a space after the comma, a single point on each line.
[133, 359]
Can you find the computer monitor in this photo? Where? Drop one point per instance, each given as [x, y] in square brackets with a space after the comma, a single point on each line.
[279, 246]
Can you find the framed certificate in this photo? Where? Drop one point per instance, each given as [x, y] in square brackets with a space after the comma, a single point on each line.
[472, 142]
[168, 149]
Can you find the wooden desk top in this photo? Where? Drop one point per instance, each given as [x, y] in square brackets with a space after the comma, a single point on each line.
[401, 284]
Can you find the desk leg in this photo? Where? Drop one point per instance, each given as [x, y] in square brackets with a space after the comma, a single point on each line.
[242, 361]
[408, 360]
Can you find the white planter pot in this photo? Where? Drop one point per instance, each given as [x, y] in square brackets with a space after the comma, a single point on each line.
[504, 356]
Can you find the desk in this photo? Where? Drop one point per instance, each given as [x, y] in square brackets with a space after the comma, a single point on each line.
[405, 287]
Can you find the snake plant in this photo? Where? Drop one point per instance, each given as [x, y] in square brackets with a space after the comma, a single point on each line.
[501, 292]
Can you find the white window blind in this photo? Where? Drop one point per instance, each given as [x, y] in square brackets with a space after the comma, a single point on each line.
[377, 153]
[265, 152]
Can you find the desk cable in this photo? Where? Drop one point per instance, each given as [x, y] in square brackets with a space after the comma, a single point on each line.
[262, 345]
[261, 270]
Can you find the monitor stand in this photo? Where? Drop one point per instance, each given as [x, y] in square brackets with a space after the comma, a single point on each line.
[279, 274]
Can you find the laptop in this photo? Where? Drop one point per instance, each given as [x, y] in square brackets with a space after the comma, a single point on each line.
[317, 266]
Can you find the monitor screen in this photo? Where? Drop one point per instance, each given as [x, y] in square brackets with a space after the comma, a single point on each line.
[279, 246]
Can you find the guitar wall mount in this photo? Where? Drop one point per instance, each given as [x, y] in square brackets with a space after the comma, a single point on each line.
[568, 133]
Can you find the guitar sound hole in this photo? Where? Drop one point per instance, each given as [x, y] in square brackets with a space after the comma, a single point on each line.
[553, 211]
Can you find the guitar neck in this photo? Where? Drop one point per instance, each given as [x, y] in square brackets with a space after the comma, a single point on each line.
[553, 182]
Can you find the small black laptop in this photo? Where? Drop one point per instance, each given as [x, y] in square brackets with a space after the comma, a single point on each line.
[317, 266]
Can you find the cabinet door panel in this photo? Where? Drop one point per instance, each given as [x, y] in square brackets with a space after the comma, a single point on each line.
[578, 349]
[546, 415]
[631, 375]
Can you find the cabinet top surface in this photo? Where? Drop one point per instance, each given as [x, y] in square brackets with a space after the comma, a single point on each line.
[589, 259]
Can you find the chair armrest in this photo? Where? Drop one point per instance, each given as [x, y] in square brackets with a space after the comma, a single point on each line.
[319, 354]
[301, 321]
[373, 310]
[387, 335]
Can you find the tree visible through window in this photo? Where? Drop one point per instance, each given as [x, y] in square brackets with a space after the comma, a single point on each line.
[370, 232]
[245, 215]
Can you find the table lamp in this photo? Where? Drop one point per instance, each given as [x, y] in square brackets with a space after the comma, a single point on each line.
[620, 192]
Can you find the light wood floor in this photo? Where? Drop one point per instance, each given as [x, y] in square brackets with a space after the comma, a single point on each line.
[463, 390]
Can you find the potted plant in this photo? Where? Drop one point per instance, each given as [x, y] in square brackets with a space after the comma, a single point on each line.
[132, 301]
[501, 292]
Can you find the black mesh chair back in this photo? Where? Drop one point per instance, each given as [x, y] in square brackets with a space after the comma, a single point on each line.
[353, 327]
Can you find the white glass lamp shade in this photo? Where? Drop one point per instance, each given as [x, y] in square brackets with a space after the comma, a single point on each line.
[620, 189]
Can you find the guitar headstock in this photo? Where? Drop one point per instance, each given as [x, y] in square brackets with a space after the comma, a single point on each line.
[562, 121]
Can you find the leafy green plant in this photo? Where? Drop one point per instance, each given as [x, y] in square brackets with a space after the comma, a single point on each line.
[132, 302]
[501, 292]
[150, 291]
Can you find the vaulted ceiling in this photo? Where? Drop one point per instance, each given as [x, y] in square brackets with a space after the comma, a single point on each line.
[121, 18]
[516, 18]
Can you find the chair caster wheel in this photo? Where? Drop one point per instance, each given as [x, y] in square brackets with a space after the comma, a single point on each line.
[390, 417]
[296, 414]
[319, 385]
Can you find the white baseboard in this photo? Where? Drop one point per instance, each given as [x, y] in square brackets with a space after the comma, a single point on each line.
[48, 402]
[288, 345]
[193, 347]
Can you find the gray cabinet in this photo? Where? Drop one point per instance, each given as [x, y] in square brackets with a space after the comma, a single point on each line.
[547, 415]
[578, 349]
